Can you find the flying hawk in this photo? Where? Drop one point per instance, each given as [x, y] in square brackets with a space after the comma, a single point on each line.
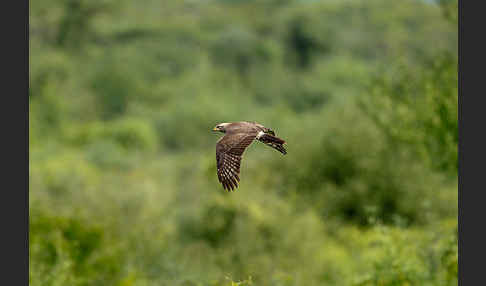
[230, 148]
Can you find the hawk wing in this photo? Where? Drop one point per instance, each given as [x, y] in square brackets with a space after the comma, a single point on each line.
[229, 151]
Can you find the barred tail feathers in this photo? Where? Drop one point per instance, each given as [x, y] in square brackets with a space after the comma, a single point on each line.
[273, 141]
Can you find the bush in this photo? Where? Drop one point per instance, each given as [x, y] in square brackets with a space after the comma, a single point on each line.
[352, 174]
[114, 89]
[421, 262]
[68, 250]
[128, 133]
[239, 49]
[417, 108]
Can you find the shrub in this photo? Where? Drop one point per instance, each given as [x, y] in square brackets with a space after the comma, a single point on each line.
[68, 250]
[113, 89]
[353, 174]
[129, 133]
[417, 108]
[240, 49]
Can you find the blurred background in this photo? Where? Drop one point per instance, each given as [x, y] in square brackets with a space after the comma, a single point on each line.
[123, 185]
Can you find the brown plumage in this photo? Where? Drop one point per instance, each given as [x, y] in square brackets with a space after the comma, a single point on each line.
[229, 149]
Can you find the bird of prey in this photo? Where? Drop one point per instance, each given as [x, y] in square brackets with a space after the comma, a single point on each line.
[230, 148]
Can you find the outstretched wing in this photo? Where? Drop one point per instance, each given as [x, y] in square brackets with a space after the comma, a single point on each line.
[229, 151]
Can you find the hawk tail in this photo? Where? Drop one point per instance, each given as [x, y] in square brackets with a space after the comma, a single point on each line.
[274, 142]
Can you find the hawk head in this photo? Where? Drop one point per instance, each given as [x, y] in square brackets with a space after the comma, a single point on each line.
[221, 127]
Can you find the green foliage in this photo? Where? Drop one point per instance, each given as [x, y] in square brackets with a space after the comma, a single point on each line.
[128, 133]
[68, 24]
[352, 173]
[122, 175]
[239, 49]
[418, 107]
[450, 10]
[303, 43]
[70, 250]
[402, 263]
[113, 90]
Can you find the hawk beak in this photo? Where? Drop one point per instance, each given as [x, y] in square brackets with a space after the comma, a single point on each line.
[215, 129]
